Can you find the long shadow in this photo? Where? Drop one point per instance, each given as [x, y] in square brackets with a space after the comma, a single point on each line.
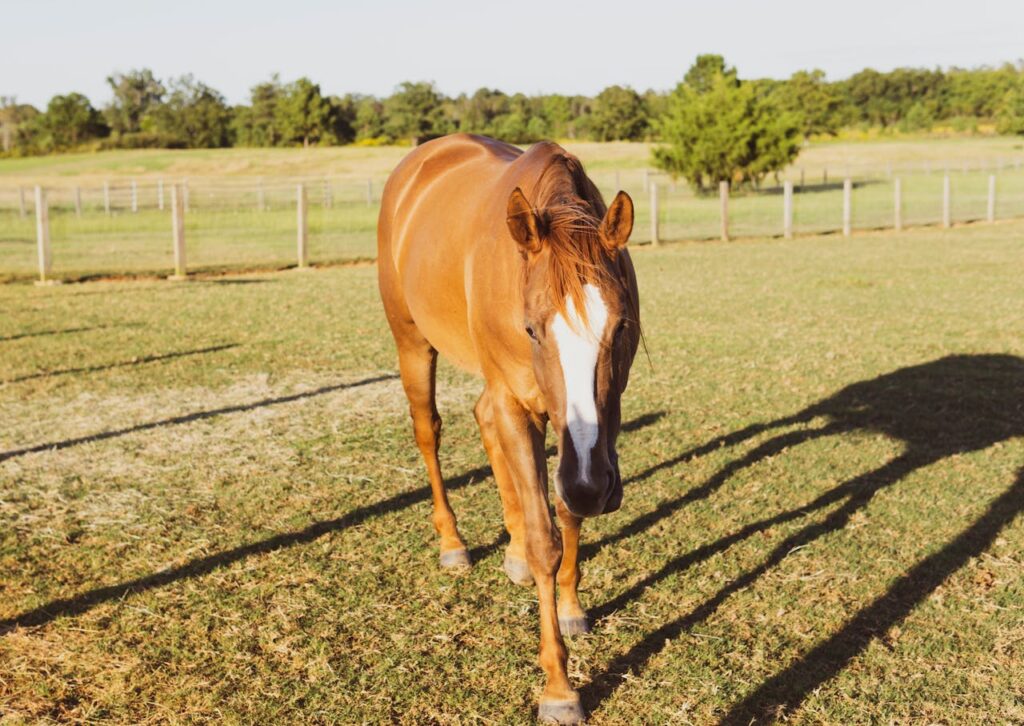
[83, 602]
[950, 406]
[787, 689]
[666, 509]
[814, 187]
[189, 417]
[121, 364]
[62, 331]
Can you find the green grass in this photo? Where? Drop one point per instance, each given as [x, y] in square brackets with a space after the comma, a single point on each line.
[227, 231]
[212, 509]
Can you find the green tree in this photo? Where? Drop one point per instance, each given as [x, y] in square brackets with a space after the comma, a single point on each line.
[706, 70]
[303, 114]
[721, 129]
[814, 100]
[369, 120]
[136, 93]
[257, 124]
[69, 121]
[1010, 116]
[557, 112]
[619, 115]
[193, 116]
[415, 112]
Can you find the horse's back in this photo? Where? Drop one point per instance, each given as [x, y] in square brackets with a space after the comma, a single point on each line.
[430, 217]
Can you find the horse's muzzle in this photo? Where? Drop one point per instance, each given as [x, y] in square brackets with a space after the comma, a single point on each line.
[590, 498]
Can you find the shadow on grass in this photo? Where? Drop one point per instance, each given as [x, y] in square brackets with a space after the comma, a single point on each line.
[63, 331]
[949, 406]
[190, 417]
[85, 601]
[122, 364]
[813, 187]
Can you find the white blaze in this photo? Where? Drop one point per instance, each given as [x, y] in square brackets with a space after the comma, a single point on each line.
[578, 346]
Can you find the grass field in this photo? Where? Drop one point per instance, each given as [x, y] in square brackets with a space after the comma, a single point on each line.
[212, 509]
[226, 229]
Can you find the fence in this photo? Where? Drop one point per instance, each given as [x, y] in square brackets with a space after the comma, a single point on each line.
[128, 227]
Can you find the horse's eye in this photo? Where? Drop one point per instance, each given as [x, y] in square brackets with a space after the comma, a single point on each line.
[529, 331]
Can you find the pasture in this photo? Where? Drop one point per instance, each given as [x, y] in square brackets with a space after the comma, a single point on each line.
[242, 212]
[212, 508]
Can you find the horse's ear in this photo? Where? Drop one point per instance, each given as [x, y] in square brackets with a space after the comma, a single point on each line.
[522, 223]
[618, 222]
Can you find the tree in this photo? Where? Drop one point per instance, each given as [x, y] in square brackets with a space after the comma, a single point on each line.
[69, 121]
[557, 112]
[135, 94]
[369, 121]
[618, 115]
[1010, 118]
[17, 125]
[808, 95]
[414, 112]
[706, 69]
[720, 129]
[303, 114]
[257, 124]
[194, 116]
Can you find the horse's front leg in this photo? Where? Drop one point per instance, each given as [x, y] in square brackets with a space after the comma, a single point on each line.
[571, 618]
[522, 441]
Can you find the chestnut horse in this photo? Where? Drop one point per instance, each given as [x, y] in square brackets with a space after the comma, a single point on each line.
[508, 263]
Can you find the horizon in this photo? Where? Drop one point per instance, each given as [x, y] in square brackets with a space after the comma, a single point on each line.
[231, 54]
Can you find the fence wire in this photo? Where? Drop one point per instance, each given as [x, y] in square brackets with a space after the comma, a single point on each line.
[123, 226]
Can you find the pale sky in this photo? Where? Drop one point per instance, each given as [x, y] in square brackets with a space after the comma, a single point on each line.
[58, 46]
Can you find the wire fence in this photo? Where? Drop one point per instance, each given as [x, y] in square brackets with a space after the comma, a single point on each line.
[123, 227]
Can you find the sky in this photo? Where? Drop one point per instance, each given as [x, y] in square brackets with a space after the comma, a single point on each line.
[59, 46]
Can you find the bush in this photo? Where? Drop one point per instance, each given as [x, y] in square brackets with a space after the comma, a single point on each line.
[717, 128]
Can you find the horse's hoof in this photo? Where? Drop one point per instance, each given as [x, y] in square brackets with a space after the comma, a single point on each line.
[566, 712]
[573, 625]
[517, 570]
[455, 558]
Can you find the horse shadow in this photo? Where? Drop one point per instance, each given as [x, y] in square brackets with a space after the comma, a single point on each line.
[953, 405]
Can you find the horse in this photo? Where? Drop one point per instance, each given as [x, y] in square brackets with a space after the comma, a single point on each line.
[509, 264]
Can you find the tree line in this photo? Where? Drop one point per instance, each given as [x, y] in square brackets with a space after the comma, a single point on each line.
[713, 124]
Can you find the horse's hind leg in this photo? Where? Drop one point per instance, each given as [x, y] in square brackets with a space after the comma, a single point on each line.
[417, 361]
[515, 564]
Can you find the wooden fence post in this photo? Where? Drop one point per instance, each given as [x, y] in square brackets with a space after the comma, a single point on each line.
[184, 195]
[655, 240]
[43, 234]
[723, 202]
[160, 194]
[947, 219]
[106, 197]
[328, 196]
[801, 180]
[787, 210]
[178, 232]
[21, 202]
[897, 204]
[78, 202]
[303, 231]
[824, 176]
[135, 197]
[991, 197]
[847, 206]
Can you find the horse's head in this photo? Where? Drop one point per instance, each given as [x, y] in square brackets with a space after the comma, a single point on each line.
[582, 320]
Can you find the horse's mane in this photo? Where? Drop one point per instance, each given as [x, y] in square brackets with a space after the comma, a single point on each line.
[569, 209]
